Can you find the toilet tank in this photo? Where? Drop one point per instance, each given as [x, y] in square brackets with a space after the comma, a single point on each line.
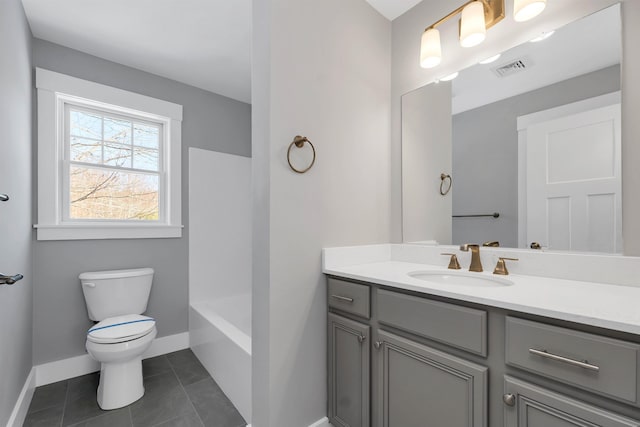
[116, 292]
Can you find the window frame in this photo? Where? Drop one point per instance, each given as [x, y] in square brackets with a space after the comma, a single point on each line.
[55, 93]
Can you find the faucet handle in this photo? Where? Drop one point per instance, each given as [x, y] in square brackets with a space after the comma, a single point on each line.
[491, 244]
[501, 266]
[453, 262]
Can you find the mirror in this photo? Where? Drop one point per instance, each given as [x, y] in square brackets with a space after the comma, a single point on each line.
[533, 137]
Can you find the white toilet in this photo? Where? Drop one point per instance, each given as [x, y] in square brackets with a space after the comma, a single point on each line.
[117, 299]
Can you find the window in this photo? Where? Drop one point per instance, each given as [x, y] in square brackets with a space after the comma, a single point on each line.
[108, 162]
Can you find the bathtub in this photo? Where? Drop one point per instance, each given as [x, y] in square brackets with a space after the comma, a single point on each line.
[220, 336]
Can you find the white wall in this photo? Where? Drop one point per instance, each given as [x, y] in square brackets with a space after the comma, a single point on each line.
[320, 69]
[407, 75]
[220, 223]
[16, 308]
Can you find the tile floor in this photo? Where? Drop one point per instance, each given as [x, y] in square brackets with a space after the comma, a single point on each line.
[179, 392]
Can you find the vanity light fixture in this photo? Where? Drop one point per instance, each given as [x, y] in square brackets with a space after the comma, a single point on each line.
[476, 17]
[490, 59]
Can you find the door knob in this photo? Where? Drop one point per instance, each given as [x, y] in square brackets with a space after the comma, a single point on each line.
[4, 197]
[509, 399]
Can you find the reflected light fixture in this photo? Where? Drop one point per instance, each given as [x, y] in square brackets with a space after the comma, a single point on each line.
[542, 36]
[490, 59]
[523, 10]
[449, 77]
[476, 17]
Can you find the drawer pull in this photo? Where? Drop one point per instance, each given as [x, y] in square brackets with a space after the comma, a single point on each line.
[581, 364]
[378, 344]
[341, 298]
[361, 338]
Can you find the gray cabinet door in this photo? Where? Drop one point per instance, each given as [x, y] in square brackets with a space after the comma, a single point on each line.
[527, 405]
[348, 372]
[419, 386]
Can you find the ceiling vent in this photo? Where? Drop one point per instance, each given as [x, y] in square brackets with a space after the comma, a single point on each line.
[513, 67]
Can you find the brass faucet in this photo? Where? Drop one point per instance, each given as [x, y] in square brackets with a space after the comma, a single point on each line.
[475, 265]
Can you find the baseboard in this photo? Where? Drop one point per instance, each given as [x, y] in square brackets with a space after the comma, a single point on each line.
[64, 369]
[21, 407]
[323, 422]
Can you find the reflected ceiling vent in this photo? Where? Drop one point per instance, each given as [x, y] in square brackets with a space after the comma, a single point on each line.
[517, 66]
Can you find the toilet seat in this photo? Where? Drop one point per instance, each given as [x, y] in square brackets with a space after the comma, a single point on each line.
[119, 329]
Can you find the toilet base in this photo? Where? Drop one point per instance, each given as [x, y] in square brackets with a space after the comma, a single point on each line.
[120, 384]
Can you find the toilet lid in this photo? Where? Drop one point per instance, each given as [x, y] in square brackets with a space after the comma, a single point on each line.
[121, 328]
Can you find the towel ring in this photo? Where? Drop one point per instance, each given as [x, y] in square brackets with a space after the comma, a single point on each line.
[443, 177]
[299, 141]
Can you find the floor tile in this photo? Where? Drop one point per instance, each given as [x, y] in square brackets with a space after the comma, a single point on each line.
[164, 400]
[82, 403]
[214, 408]
[80, 386]
[49, 395]
[155, 366]
[190, 419]
[115, 418]
[44, 418]
[182, 357]
[187, 367]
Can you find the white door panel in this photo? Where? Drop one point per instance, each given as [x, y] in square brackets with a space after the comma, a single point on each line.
[573, 183]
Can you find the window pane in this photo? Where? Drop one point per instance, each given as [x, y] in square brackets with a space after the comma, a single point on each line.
[146, 136]
[84, 124]
[117, 130]
[145, 159]
[117, 195]
[85, 150]
[117, 155]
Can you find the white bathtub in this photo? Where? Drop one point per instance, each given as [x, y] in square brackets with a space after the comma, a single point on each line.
[220, 336]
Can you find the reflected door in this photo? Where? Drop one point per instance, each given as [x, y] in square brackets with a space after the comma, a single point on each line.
[573, 181]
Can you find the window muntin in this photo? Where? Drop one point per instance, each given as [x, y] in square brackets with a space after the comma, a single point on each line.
[113, 166]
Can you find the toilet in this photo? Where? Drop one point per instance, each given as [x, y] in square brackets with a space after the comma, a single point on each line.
[116, 300]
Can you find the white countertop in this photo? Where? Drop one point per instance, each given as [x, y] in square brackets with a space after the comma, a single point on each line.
[604, 305]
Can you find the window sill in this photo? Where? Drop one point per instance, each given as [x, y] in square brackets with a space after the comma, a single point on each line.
[106, 231]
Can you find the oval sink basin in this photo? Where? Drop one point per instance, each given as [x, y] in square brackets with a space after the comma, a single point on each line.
[460, 279]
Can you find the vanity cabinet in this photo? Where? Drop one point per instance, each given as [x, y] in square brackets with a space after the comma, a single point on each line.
[413, 382]
[398, 358]
[416, 383]
[527, 405]
[349, 372]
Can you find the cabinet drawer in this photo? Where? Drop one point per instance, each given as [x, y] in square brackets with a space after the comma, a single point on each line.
[600, 364]
[461, 327]
[349, 297]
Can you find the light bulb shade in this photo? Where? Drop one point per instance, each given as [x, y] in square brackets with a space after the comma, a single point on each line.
[472, 25]
[430, 49]
[523, 10]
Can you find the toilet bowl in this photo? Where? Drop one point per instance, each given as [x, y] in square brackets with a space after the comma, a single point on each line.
[118, 344]
[116, 299]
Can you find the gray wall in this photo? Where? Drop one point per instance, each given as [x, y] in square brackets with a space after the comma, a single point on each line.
[320, 69]
[210, 122]
[485, 158]
[15, 215]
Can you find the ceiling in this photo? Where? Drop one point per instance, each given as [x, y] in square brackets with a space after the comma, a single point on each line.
[203, 43]
[391, 9]
[586, 45]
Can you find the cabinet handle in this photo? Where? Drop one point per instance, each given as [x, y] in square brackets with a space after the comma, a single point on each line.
[378, 344]
[361, 338]
[579, 363]
[341, 298]
[509, 399]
